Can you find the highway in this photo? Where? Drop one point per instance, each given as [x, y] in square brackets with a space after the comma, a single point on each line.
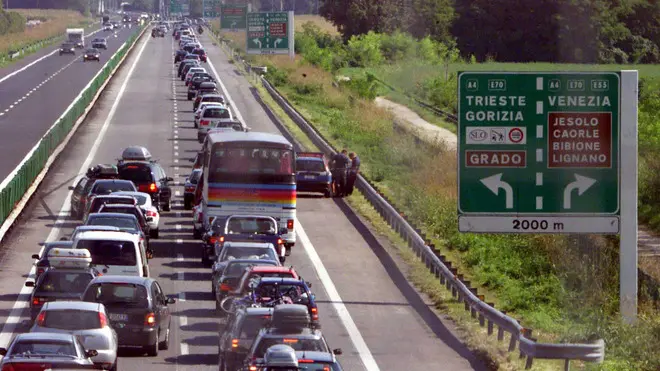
[366, 306]
[34, 96]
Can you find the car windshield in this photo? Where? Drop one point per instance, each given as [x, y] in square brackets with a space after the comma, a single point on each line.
[54, 281]
[298, 344]
[235, 269]
[71, 319]
[215, 99]
[117, 293]
[217, 113]
[110, 187]
[67, 45]
[98, 202]
[242, 252]
[251, 226]
[44, 347]
[99, 40]
[92, 51]
[131, 210]
[310, 165]
[123, 223]
[109, 252]
[136, 173]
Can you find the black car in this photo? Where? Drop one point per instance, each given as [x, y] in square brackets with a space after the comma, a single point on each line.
[134, 210]
[189, 188]
[149, 176]
[178, 56]
[123, 221]
[88, 186]
[92, 54]
[58, 284]
[237, 336]
[197, 80]
[97, 201]
[137, 308]
[42, 259]
[100, 43]
[187, 68]
[67, 48]
[184, 63]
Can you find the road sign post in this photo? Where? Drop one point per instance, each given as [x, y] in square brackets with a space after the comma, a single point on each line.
[551, 152]
[233, 17]
[270, 33]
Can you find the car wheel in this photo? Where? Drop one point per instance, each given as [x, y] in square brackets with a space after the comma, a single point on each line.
[165, 344]
[154, 233]
[168, 205]
[327, 193]
[152, 350]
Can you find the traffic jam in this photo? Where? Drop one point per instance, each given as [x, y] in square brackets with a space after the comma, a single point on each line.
[92, 293]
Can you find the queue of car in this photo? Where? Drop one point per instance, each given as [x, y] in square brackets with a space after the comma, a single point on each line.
[271, 313]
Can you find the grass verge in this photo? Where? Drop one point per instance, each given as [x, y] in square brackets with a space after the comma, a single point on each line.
[564, 287]
[54, 24]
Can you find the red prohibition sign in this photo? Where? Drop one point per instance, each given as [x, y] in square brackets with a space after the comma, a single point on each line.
[516, 135]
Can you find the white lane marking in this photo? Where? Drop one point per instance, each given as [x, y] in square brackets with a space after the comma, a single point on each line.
[177, 193]
[183, 320]
[178, 227]
[179, 257]
[16, 311]
[179, 276]
[182, 297]
[178, 214]
[176, 160]
[176, 148]
[184, 347]
[176, 168]
[11, 106]
[2, 113]
[345, 317]
[176, 153]
[179, 240]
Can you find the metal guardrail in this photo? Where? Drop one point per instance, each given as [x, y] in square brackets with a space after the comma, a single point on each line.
[486, 314]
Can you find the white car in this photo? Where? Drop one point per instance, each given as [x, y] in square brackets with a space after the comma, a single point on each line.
[200, 109]
[211, 117]
[144, 202]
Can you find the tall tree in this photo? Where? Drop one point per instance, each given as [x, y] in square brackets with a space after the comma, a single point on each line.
[432, 18]
[355, 17]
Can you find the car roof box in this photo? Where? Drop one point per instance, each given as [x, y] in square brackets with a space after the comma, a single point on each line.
[290, 317]
[281, 355]
[136, 153]
[69, 258]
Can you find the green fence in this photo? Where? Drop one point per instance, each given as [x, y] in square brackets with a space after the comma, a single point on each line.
[21, 181]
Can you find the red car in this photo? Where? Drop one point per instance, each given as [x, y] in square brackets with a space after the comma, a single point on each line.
[202, 54]
[262, 271]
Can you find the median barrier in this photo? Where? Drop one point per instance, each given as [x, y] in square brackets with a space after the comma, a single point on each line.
[486, 313]
[18, 186]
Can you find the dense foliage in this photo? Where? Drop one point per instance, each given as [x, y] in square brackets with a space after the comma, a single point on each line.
[11, 22]
[579, 31]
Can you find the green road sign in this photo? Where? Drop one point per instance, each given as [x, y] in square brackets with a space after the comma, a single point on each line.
[175, 6]
[233, 17]
[211, 8]
[270, 33]
[538, 152]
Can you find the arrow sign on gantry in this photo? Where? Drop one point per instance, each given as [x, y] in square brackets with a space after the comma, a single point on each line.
[277, 42]
[581, 183]
[257, 41]
[494, 183]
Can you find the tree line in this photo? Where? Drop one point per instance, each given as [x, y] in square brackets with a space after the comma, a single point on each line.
[11, 22]
[571, 31]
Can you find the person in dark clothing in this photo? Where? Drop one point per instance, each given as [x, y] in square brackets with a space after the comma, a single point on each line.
[352, 172]
[340, 164]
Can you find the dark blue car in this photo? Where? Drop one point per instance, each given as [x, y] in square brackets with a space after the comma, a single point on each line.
[313, 174]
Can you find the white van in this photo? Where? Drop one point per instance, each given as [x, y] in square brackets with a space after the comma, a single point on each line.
[115, 253]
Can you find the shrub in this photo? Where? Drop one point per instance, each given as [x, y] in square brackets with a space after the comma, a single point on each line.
[365, 50]
[397, 46]
[11, 22]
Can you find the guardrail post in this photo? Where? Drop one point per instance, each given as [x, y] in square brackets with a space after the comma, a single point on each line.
[490, 327]
[512, 342]
[567, 365]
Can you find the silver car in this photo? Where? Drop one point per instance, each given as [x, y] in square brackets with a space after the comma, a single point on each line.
[33, 350]
[89, 321]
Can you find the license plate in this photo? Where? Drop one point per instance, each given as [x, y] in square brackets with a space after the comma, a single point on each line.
[119, 317]
[309, 177]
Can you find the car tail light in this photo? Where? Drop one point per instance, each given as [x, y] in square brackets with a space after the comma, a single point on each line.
[23, 366]
[225, 287]
[234, 343]
[213, 239]
[40, 271]
[41, 318]
[315, 314]
[190, 189]
[280, 241]
[253, 368]
[305, 361]
[150, 319]
[38, 301]
[103, 320]
[204, 122]
[154, 188]
[289, 224]
[151, 213]
[7, 367]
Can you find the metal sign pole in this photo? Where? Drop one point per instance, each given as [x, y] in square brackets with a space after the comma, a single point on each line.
[629, 173]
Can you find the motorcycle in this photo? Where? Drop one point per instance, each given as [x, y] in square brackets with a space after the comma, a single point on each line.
[200, 30]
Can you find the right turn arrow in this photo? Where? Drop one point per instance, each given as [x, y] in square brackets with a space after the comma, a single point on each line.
[581, 183]
[494, 183]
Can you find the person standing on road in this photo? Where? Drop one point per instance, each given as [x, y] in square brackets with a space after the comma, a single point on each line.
[340, 165]
[352, 172]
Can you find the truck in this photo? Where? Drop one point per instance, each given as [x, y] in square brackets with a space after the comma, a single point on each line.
[76, 36]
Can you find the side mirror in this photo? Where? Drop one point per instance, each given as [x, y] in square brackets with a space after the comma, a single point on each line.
[63, 238]
[29, 283]
[3, 352]
[35, 256]
[169, 179]
[187, 179]
[91, 353]
[170, 301]
[337, 352]
[71, 188]
[309, 284]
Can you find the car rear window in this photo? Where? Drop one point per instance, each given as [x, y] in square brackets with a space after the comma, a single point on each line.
[217, 113]
[109, 187]
[108, 252]
[213, 99]
[64, 282]
[71, 319]
[199, 51]
[44, 347]
[298, 344]
[123, 223]
[117, 293]
[98, 202]
[236, 269]
[136, 173]
[121, 210]
[309, 165]
[242, 252]
[251, 326]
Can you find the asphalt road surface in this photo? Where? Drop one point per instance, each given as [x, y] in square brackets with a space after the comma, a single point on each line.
[366, 306]
[32, 99]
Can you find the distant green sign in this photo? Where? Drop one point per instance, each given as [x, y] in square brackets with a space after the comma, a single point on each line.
[233, 17]
[211, 8]
[175, 7]
[270, 33]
